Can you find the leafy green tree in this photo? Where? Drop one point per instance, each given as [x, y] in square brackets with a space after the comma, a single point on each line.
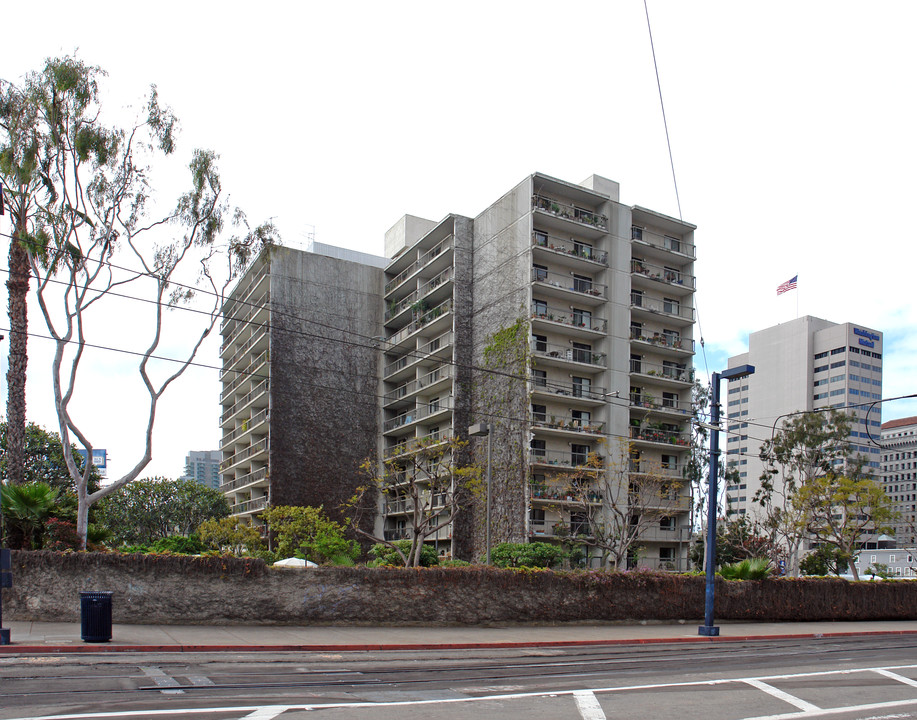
[535, 554]
[44, 459]
[230, 534]
[841, 510]
[740, 539]
[85, 188]
[807, 447]
[25, 510]
[154, 508]
[308, 533]
[824, 560]
[423, 486]
[747, 569]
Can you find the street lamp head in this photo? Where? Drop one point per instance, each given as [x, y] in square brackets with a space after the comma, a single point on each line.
[737, 372]
[479, 430]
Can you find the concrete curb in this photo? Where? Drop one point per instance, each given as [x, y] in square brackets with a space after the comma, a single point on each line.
[101, 648]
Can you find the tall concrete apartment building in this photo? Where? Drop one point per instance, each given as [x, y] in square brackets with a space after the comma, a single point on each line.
[599, 300]
[899, 475]
[804, 364]
[204, 467]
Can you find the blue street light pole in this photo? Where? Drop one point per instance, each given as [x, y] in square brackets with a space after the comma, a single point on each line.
[708, 627]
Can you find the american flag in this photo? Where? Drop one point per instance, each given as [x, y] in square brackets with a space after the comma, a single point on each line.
[787, 286]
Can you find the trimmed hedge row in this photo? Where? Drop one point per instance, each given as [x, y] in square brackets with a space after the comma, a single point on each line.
[151, 589]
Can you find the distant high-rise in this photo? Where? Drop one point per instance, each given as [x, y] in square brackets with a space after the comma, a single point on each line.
[204, 467]
[804, 364]
[899, 475]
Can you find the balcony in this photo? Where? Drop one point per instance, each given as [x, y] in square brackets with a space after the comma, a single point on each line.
[413, 444]
[674, 374]
[659, 436]
[567, 424]
[416, 300]
[677, 344]
[421, 412]
[645, 274]
[580, 216]
[261, 388]
[668, 469]
[556, 493]
[573, 322]
[643, 307]
[404, 392]
[563, 459]
[246, 426]
[662, 246]
[243, 377]
[423, 319]
[567, 251]
[665, 406]
[569, 287]
[423, 261]
[245, 317]
[551, 354]
[404, 367]
[243, 480]
[250, 506]
[256, 448]
[590, 393]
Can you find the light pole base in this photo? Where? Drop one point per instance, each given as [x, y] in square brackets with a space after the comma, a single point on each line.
[5, 636]
[708, 630]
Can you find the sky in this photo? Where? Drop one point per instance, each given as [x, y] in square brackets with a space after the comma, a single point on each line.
[790, 125]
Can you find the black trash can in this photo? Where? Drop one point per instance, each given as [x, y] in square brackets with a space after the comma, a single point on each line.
[95, 616]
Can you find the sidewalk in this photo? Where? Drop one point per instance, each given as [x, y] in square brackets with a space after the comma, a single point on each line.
[50, 638]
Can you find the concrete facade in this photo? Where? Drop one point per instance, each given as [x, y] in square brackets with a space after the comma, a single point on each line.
[804, 364]
[899, 476]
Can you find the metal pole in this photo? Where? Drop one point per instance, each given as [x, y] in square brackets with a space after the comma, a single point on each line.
[490, 434]
[708, 628]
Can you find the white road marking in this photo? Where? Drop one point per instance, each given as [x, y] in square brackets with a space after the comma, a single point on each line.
[899, 678]
[199, 680]
[162, 680]
[785, 696]
[588, 705]
[518, 696]
[266, 713]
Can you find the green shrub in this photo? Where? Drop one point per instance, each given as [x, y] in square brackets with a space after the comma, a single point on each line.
[748, 569]
[536, 554]
[454, 562]
[385, 555]
[178, 545]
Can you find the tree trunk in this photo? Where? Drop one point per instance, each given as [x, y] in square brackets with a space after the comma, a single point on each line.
[851, 563]
[18, 287]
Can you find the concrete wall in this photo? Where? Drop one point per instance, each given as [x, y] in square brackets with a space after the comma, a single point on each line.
[324, 375]
[184, 590]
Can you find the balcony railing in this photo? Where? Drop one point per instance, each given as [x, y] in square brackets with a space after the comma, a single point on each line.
[419, 413]
[569, 247]
[421, 353]
[425, 318]
[676, 342]
[243, 480]
[565, 317]
[662, 306]
[553, 492]
[582, 285]
[669, 468]
[262, 387]
[416, 297]
[663, 274]
[563, 459]
[656, 435]
[250, 506]
[423, 260]
[243, 318]
[242, 377]
[677, 372]
[589, 392]
[650, 402]
[440, 373]
[565, 352]
[566, 422]
[246, 425]
[663, 242]
[415, 443]
[569, 212]
[244, 454]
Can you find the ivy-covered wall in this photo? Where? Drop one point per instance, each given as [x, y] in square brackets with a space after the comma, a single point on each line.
[185, 590]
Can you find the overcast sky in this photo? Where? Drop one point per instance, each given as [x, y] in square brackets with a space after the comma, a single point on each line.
[791, 124]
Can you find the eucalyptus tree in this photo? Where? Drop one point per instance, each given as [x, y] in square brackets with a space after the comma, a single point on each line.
[94, 239]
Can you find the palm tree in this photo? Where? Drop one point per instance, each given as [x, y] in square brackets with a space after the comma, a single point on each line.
[25, 510]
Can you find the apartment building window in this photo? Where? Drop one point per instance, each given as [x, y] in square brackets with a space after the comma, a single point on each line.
[666, 554]
[669, 462]
[539, 272]
[582, 352]
[540, 342]
[635, 363]
[673, 275]
[539, 378]
[538, 448]
[581, 386]
[672, 337]
[582, 283]
[579, 454]
[582, 318]
[671, 306]
[539, 413]
[636, 330]
[669, 400]
[541, 238]
[636, 298]
[579, 524]
[582, 249]
[536, 517]
[667, 523]
[539, 308]
[581, 417]
[673, 244]
[636, 233]
[672, 369]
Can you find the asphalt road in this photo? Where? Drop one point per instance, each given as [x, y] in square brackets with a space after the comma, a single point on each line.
[842, 678]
